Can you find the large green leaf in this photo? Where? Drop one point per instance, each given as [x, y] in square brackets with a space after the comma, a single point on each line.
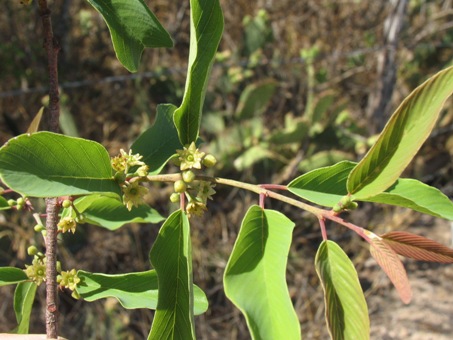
[11, 275]
[24, 295]
[132, 290]
[401, 138]
[255, 275]
[410, 193]
[110, 213]
[171, 256]
[132, 27]
[323, 186]
[206, 27]
[326, 186]
[46, 164]
[346, 308]
[160, 142]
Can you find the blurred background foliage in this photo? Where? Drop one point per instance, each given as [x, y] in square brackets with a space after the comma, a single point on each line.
[296, 85]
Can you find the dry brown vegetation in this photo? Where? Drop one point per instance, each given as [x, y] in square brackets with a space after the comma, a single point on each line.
[351, 39]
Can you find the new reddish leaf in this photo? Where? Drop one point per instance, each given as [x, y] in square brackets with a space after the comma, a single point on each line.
[390, 263]
[418, 247]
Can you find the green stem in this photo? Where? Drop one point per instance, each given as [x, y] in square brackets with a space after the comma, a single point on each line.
[321, 214]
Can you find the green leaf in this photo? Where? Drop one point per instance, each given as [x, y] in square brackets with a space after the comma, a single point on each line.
[132, 290]
[206, 27]
[110, 213]
[171, 256]
[346, 308]
[4, 204]
[324, 186]
[159, 143]
[410, 193]
[418, 247]
[254, 278]
[46, 164]
[255, 98]
[391, 264]
[24, 295]
[401, 138]
[11, 275]
[132, 27]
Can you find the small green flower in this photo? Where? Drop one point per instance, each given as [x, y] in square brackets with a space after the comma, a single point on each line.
[204, 189]
[143, 171]
[124, 161]
[68, 279]
[67, 224]
[133, 194]
[37, 270]
[195, 208]
[190, 157]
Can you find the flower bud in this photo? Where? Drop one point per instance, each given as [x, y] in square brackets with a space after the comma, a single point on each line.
[188, 176]
[39, 227]
[66, 204]
[32, 250]
[12, 203]
[180, 186]
[175, 197]
[209, 161]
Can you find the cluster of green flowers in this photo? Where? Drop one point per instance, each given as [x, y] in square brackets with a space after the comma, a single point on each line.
[197, 191]
[36, 272]
[133, 192]
[125, 161]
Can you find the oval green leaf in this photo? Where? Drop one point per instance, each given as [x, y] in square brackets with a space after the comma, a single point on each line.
[110, 213]
[24, 295]
[46, 164]
[132, 27]
[171, 256]
[11, 275]
[255, 276]
[415, 195]
[401, 138]
[159, 143]
[323, 186]
[132, 290]
[206, 27]
[346, 308]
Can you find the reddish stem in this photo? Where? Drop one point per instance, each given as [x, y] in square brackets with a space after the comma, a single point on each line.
[322, 224]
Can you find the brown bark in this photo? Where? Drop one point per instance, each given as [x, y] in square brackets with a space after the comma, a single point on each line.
[52, 208]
